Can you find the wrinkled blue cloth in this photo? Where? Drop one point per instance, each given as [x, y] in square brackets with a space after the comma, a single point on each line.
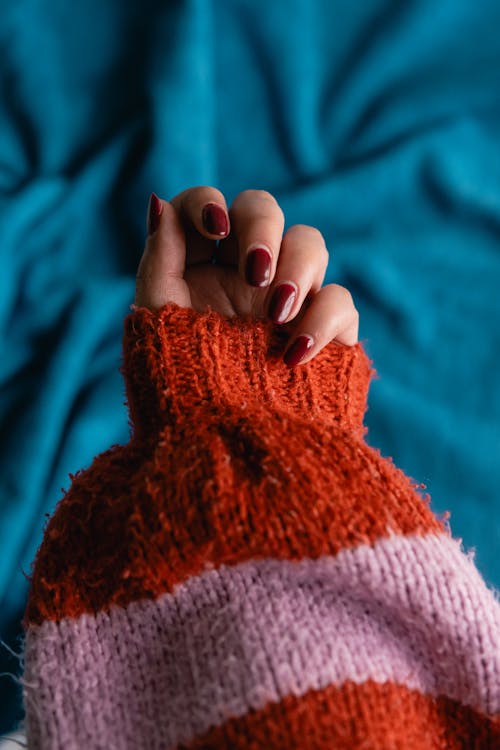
[378, 122]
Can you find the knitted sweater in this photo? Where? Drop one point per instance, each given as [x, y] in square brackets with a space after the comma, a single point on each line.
[248, 573]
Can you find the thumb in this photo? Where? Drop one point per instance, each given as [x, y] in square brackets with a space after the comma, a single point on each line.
[160, 276]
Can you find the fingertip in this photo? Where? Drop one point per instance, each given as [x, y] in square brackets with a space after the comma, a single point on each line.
[204, 209]
[258, 266]
[298, 350]
[160, 275]
[155, 208]
[215, 219]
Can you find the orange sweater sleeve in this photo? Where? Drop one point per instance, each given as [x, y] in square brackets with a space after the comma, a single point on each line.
[185, 368]
[248, 572]
[229, 447]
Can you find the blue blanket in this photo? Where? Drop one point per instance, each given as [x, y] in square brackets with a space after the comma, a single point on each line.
[377, 121]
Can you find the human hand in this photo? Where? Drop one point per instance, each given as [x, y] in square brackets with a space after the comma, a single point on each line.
[257, 270]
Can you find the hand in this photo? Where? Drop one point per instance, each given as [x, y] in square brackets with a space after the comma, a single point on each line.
[183, 263]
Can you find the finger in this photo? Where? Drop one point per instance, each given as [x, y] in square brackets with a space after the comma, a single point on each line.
[205, 209]
[302, 264]
[204, 215]
[257, 228]
[160, 276]
[330, 316]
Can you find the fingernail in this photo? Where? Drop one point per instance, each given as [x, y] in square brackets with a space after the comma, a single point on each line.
[282, 302]
[154, 213]
[258, 267]
[298, 350]
[215, 219]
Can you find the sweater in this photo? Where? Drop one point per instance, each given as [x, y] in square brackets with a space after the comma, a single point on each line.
[248, 573]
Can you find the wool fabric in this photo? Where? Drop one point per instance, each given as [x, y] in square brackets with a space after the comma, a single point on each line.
[248, 573]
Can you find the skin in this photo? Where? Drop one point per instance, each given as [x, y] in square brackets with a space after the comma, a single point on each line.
[176, 266]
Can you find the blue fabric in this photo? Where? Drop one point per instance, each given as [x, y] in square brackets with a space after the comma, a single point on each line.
[378, 122]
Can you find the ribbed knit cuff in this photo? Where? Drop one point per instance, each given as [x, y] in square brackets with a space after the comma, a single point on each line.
[178, 362]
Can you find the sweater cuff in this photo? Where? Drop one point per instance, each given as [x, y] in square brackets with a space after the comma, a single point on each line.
[180, 364]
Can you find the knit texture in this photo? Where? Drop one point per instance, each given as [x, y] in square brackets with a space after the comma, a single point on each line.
[248, 573]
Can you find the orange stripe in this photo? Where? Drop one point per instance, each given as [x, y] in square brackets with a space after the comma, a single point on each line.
[128, 530]
[357, 717]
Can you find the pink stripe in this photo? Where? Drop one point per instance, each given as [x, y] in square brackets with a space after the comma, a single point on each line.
[412, 610]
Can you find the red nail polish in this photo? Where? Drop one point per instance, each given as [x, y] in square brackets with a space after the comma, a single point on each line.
[154, 213]
[258, 267]
[282, 302]
[215, 219]
[298, 350]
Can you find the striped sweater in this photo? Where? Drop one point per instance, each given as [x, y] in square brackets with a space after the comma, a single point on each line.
[248, 573]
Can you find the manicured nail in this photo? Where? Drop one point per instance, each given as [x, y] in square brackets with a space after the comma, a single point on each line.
[282, 302]
[298, 350]
[154, 213]
[258, 267]
[215, 219]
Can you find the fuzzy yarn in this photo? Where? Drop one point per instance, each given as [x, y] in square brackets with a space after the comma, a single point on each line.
[247, 573]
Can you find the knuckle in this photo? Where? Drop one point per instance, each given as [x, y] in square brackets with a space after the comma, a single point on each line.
[188, 200]
[200, 189]
[349, 302]
[270, 201]
[325, 255]
[340, 294]
[202, 194]
[312, 234]
[263, 197]
[345, 296]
